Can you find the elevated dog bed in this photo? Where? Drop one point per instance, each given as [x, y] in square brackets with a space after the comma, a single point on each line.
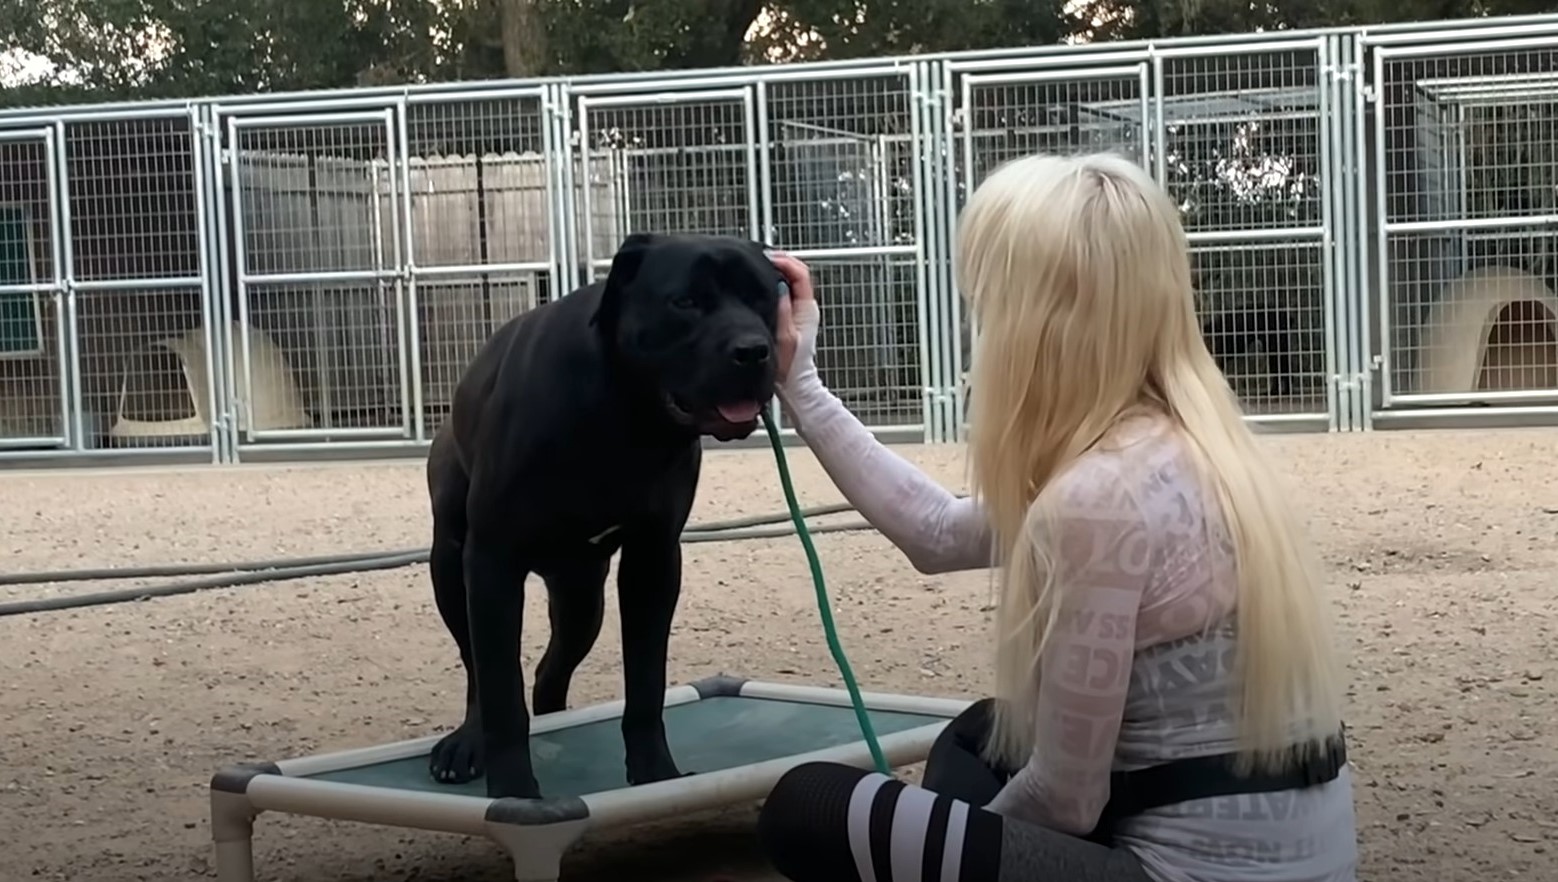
[164, 391]
[737, 736]
[1492, 329]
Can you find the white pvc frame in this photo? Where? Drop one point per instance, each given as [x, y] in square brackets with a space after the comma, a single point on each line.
[537, 844]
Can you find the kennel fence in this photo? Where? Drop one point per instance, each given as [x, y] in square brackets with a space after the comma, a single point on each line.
[1466, 235]
[1342, 190]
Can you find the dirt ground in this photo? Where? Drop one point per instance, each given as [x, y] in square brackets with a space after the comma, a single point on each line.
[1442, 547]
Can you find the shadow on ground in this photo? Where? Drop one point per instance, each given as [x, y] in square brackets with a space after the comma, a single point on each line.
[708, 847]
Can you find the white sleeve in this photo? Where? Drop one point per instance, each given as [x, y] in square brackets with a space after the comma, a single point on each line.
[938, 531]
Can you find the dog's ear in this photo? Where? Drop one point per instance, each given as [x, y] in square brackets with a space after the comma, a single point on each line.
[624, 267]
[630, 256]
[760, 251]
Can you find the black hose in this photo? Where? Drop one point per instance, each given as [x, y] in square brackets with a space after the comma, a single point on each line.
[782, 517]
[771, 532]
[257, 572]
[202, 569]
[129, 595]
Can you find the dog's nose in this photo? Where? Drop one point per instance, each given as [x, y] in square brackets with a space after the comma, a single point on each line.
[749, 352]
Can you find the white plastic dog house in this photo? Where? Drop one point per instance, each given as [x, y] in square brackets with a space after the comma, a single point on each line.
[1493, 328]
[165, 390]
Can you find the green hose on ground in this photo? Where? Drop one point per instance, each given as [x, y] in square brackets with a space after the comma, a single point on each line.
[824, 607]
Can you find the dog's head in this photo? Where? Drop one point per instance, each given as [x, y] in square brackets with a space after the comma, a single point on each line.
[693, 319]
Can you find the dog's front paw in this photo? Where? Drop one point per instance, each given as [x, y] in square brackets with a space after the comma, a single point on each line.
[661, 769]
[457, 757]
[509, 775]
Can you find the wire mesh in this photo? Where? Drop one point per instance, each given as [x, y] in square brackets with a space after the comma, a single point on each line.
[1473, 312]
[841, 161]
[841, 157]
[32, 388]
[478, 174]
[1262, 308]
[478, 182]
[1243, 138]
[143, 368]
[1241, 155]
[867, 345]
[1470, 137]
[672, 166]
[1469, 159]
[308, 194]
[1005, 120]
[132, 199]
[456, 316]
[141, 338]
[321, 356]
[315, 199]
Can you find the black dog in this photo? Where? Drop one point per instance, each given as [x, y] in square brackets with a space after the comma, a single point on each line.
[575, 433]
[1229, 334]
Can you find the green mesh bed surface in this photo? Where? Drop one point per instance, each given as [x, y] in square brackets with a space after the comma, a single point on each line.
[708, 735]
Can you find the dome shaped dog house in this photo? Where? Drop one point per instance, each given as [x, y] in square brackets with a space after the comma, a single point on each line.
[1493, 329]
[164, 392]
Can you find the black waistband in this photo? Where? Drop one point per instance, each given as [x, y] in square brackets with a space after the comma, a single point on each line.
[1134, 792]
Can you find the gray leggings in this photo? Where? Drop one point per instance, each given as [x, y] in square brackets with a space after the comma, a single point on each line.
[826, 822]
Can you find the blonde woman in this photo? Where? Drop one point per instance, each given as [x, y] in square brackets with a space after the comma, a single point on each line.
[1168, 703]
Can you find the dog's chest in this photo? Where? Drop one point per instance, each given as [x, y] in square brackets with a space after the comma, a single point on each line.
[591, 512]
[571, 535]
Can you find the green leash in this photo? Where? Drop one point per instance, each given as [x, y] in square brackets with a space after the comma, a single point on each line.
[823, 606]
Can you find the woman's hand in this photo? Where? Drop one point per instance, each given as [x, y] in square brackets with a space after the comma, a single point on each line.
[798, 319]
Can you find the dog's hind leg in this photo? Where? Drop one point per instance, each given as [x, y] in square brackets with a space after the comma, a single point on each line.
[576, 600]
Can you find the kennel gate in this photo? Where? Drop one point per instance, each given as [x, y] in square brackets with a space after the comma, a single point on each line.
[1178, 110]
[1436, 232]
[768, 157]
[314, 270]
[40, 418]
[1007, 108]
[844, 184]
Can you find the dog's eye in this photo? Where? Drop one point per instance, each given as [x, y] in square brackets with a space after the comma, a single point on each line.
[685, 301]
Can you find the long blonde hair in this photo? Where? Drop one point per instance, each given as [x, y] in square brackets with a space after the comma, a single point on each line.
[1078, 277]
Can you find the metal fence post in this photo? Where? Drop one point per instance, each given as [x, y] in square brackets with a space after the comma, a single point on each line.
[72, 318]
[1336, 392]
[221, 251]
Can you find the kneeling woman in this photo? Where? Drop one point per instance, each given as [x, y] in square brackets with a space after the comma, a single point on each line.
[1168, 697]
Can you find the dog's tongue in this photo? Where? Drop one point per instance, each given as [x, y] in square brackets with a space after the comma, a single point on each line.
[740, 412]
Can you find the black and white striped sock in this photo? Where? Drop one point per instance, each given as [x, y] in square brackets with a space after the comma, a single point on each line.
[833, 823]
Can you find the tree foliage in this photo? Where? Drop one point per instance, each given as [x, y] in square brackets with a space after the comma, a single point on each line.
[109, 49]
